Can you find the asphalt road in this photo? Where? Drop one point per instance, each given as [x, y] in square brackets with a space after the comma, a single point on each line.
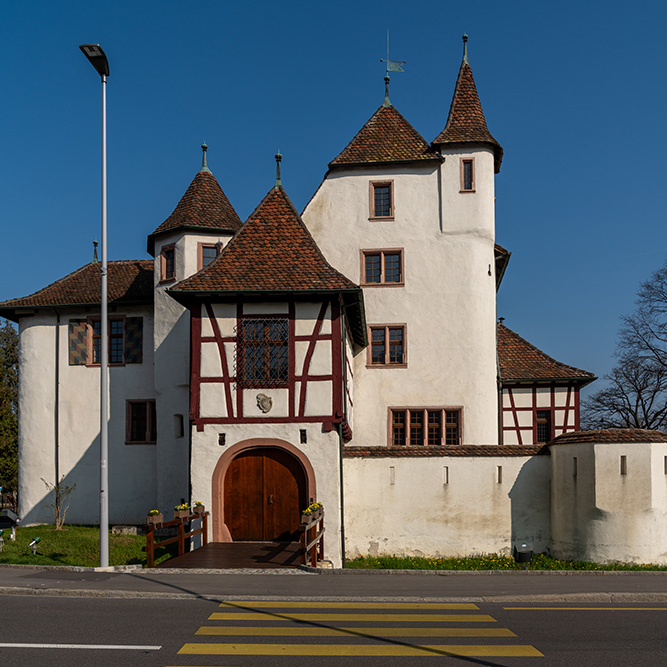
[195, 619]
[84, 631]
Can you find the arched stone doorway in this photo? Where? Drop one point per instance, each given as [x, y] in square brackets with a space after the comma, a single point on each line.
[260, 487]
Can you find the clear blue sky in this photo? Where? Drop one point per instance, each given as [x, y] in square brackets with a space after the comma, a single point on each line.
[574, 91]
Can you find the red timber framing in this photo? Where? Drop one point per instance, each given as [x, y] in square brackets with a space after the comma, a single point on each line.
[297, 378]
[558, 414]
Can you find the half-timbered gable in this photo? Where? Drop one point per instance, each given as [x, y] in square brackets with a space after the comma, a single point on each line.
[540, 396]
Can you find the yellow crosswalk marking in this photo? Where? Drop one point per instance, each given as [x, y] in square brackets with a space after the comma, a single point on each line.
[357, 650]
[402, 618]
[348, 605]
[242, 631]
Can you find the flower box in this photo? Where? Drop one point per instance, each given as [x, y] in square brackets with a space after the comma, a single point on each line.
[154, 519]
[198, 509]
[181, 514]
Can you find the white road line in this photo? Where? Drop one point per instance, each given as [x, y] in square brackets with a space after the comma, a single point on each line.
[94, 647]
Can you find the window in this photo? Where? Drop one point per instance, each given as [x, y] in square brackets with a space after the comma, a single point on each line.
[425, 426]
[382, 200]
[262, 352]
[387, 346]
[382, 267]
[543, 432]
[125, 341]
[207, 253]
[168, 263]
[116, 336]
[467, 175]
[140, 422]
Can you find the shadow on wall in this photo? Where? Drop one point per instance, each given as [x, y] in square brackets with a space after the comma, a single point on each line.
[530, 500]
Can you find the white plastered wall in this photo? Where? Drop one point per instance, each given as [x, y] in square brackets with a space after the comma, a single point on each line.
[445, 506]
[172, 367]
[447, 302]
[602, 515]
[132, 483]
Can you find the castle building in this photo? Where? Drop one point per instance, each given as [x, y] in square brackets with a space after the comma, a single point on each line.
[349, 355]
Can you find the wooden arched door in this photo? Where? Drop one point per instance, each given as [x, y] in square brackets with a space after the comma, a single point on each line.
[264, 493]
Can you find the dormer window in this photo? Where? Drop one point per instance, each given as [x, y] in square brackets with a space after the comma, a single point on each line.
[168, 263]
[467, 175]
[207, 253]
[382, 200]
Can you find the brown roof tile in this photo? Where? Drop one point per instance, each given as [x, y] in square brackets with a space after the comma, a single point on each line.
[386, 137]
[128, 282]
[449, 450]
[273, 251]
[519, 360]
[610, 436]
[466, 122]
[203, 206]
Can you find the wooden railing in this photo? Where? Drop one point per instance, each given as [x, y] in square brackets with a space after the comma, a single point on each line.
[152, 543]
[8, 501]
[312, 538]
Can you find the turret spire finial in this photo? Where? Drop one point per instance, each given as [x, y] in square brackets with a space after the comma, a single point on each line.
[279, 157]
[392, 66]
[465, 49]
[95, 260]
[204, 166]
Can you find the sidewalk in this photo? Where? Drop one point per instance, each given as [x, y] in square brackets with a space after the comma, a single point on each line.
[486, 586]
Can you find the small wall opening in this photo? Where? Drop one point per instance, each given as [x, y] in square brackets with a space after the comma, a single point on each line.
[624, 465]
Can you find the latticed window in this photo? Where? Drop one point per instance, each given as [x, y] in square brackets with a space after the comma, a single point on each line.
[543, 426]
[424, 426]
[263, 359]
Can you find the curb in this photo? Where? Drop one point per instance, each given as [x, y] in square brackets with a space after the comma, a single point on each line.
[581, 598]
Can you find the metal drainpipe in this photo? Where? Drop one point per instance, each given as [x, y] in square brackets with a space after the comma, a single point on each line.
[340, 438]
[56, 410]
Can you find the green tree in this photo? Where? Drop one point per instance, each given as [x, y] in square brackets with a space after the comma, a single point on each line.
[9, 405]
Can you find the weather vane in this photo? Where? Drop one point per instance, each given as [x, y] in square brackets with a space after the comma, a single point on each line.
[392, 65]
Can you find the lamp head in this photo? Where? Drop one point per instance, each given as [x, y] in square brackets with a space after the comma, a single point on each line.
[96, 57]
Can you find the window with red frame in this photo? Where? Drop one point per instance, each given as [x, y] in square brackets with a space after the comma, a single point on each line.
[425, 426]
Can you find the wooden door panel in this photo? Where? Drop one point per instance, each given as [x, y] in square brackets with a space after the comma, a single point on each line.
[284, 488]
[244, 497]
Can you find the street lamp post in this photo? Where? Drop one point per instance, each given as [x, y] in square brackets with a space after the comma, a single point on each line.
[98, 60]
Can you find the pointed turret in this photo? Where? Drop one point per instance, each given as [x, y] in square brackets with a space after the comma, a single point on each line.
[204, 207]
[466, 122]
[387, 137]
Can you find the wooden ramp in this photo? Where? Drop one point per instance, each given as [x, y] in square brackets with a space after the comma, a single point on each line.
[228, 555]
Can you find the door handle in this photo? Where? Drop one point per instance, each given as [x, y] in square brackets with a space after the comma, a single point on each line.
[271, 499]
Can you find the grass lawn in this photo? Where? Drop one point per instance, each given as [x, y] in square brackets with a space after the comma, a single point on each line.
[74, 545]
[486, 562]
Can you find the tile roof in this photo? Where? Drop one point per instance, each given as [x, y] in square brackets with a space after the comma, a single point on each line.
[273, 251]
[519, 360]
[352, 452]
[386, 137]
[466, 122]
[128, 282]
[610, 436]
[204, 206]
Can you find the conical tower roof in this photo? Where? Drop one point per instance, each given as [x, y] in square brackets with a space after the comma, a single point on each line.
[203, 207]
[386, 137]
[466, 122]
